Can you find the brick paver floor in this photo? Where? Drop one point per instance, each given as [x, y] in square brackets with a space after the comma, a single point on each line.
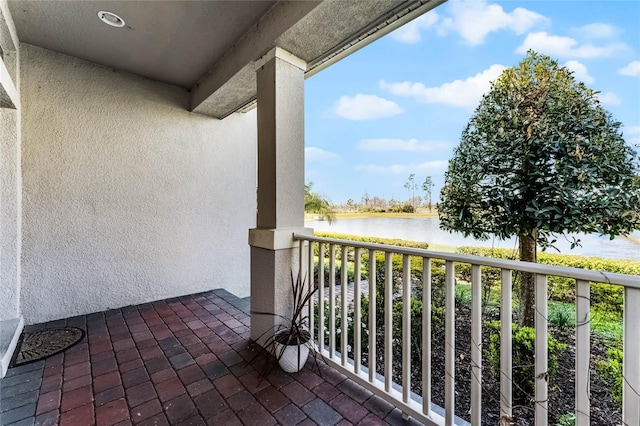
[181, 361]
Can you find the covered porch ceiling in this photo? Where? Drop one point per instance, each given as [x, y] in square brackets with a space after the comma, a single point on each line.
[209, 47]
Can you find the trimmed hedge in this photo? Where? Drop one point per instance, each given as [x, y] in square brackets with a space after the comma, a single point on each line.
[561, 289]
[416, 263]
[373, 240]
[603, 296]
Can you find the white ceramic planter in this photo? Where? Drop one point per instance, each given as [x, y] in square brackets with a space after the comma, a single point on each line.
[293, 358]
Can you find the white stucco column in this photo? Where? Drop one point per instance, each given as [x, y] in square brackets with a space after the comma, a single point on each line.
[280, 78]
[11, 321]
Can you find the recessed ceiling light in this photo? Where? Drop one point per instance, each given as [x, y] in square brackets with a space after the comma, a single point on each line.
[111, 18]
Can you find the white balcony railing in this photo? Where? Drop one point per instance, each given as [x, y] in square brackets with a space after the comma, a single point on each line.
[346, 356]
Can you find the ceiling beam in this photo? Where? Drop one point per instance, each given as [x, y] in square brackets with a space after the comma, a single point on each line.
[236, 66]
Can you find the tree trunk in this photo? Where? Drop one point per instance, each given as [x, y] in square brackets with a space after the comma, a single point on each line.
[527, 280]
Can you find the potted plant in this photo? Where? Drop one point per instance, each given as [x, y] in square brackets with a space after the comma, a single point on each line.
[290, 341]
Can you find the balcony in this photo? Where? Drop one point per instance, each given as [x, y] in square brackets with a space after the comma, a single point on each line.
[134, 161]
[191, 358]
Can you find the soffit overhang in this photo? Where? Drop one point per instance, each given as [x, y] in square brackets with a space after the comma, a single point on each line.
[210, 47]
[326, 33]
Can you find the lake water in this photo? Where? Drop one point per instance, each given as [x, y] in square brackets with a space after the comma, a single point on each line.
[428, 230]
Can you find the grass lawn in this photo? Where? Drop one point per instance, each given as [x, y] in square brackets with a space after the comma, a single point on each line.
[421, 213]
[604, 324]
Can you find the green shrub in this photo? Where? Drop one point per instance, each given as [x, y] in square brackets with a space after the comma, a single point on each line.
[523, 360]
[562, 317]
[338, 273]
[416, 262]
[338, 253]
[338, 322]
[364, 309]
[462, 296]
[568, 419]
[603, 296]
[438, 283]
[611, 371]
[489, 278]
[402, 208]
[364, 320]
[415, 267]
[416, 325]
[437, 319]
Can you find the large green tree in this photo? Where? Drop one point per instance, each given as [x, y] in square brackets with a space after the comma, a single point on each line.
[427, 186]
[540, 157]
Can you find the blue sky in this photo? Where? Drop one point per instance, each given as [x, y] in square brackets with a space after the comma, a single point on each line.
[399, 105]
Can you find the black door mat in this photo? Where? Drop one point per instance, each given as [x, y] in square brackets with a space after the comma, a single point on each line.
[40, 344]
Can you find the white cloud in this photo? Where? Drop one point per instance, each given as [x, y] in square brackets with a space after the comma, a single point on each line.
[633, 69]
[461, 93]
[366, 107]
[410, 32]
[315, 154]
[580, 71]
[402, 169]
[474, 20]
[411, 145]
[609, 98]
[631, 134]
[596, 30]
[567, 47]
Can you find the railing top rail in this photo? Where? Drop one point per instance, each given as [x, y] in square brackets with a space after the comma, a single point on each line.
[536, 268]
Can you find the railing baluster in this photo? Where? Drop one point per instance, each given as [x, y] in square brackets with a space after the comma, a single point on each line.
[476, 345]
[541, 367]
[403, 400]
[357, 325]
[583, 352]
[506, 344]
[301, 267]
[310, 276]
[344, 286]
[426, 335]
[406, 327]
[449, 344]
[321, 326]
[388, 320]
[373, 332]
[631, 358]
[332, 300]
[301, 262]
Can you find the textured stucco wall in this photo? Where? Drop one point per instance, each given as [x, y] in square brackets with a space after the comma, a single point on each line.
[9, 215]
[127, 197]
